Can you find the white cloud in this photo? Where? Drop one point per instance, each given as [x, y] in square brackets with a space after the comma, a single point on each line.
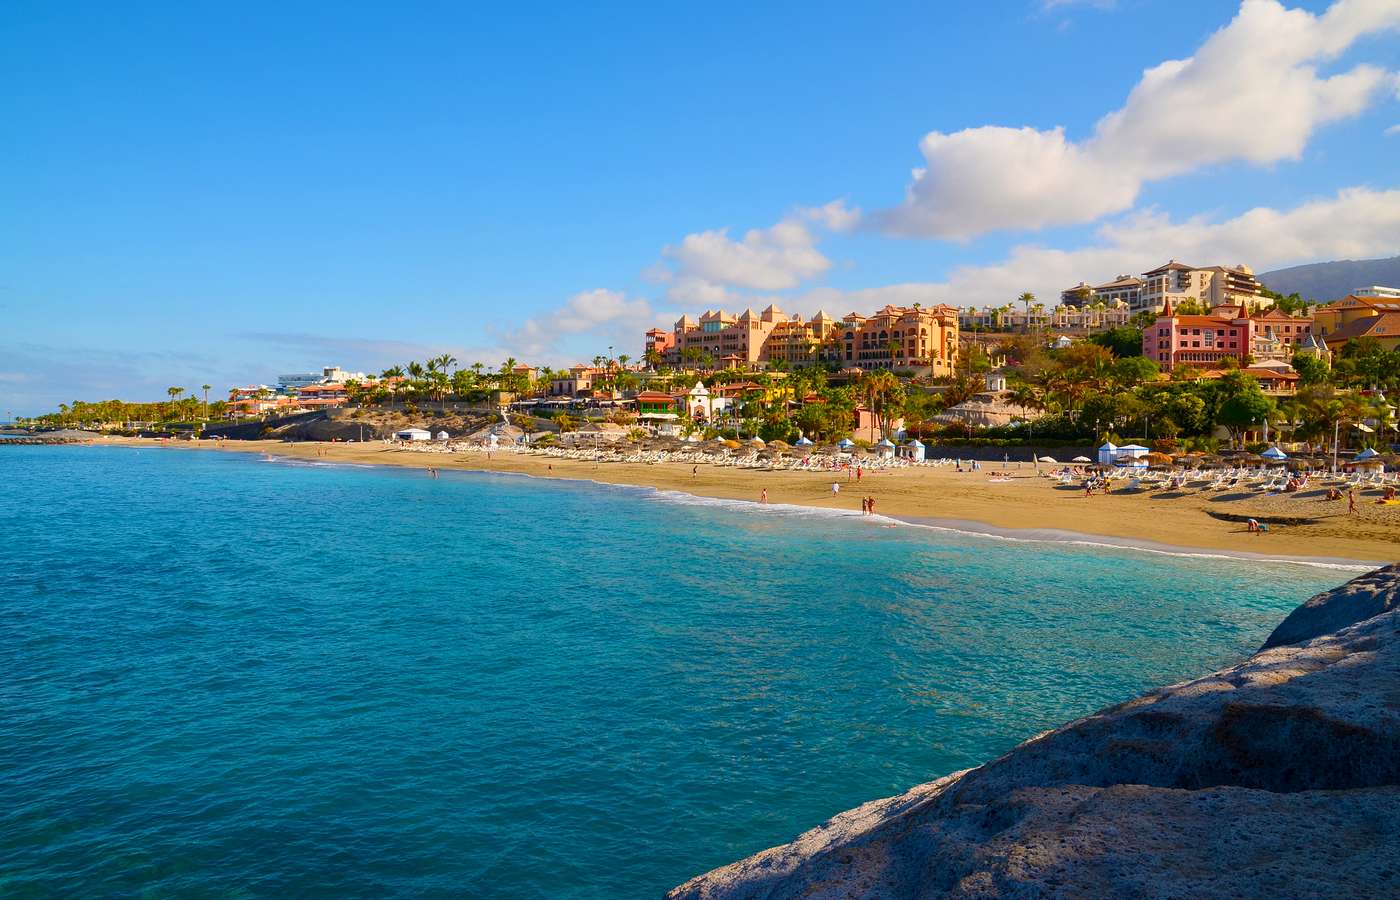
[1356, 223]
[1251, 92]
[603, 315]
[766, 259]
[1392, 131]
[834, 216]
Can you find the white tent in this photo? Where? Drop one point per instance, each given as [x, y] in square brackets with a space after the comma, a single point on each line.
[914, 450]
[442, 435]
[1107, 453]
[1274, 453]
[845, 444]
[1368, 453]
[885, 447]
[413, 434]
[803, 441]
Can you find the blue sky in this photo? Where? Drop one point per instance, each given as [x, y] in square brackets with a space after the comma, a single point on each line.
[200, 192]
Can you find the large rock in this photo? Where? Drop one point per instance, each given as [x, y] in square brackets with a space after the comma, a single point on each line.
[1331, 611]
[1276, 777]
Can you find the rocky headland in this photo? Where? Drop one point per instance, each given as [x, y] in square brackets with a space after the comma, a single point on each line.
[1278, 777]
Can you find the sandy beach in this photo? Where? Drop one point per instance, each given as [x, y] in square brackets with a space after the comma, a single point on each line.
[1024, 505]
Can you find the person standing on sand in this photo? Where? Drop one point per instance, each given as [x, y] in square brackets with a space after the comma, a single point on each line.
[763, 496]
[1351, 502]
[694, 470]
[870, 506]
[859, 470]
[835, 488]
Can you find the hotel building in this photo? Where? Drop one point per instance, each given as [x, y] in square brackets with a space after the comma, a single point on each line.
[1205, 341]
[911, 337]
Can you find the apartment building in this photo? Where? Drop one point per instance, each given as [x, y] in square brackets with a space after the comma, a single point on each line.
[1352, 309]
[1210, 287]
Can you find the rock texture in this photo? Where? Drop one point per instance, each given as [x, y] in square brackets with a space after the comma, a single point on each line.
[1278, 777]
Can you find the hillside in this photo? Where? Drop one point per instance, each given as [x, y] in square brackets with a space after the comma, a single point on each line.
[1329, 281]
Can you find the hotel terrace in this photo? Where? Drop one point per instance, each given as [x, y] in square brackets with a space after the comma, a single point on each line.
[921, 338]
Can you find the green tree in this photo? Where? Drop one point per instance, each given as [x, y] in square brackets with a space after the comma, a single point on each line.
[1122, 341]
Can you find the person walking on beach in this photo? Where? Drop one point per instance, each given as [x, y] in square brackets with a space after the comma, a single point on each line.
[1351, 502]
[835, 488]
[870, 506]
[763, 496]
[864, 510]
[859, 470]
[694, 470]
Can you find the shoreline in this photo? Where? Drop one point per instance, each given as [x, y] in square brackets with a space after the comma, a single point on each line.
[1022, 508]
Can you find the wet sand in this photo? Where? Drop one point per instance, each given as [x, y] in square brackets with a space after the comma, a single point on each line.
[1023, 506]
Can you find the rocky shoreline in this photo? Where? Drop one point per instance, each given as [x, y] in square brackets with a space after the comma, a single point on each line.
[1276, 777]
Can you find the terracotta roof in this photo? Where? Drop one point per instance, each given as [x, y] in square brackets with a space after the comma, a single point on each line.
[1168, 267]
[1387, 323]
[1122, 282]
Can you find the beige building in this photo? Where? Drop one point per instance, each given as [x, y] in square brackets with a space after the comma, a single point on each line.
[1210, 287]
[895, 337]
[901, 337]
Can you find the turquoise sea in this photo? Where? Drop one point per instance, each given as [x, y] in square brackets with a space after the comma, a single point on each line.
[225, 676]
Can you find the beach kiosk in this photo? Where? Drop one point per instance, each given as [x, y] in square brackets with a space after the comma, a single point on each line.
[845, 445]
[1132, 455]
[1108, 453]
[913, 451]
[885, 448]
[413, 434]
[442, 436]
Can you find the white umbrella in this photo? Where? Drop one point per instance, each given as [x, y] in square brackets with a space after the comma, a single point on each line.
[1047, 459]
[1274, 453]
[1081, 459]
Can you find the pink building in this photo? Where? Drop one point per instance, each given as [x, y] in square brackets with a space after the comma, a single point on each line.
[1228, 331]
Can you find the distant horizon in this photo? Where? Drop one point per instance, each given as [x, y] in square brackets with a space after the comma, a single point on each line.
[203, 197]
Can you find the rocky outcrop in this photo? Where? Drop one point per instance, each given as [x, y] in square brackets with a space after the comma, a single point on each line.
[1276, 777]
[1360, 599]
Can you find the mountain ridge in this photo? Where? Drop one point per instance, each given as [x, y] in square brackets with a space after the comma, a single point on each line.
[1333, 280]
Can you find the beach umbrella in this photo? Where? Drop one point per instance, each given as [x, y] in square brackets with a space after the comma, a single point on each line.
[1157, 459]
[1274, 453]
[1081, 459]
[845, 444]
[803, 441]
[779, 445]
[732, 445]
[1046, 459]
[1368, 453]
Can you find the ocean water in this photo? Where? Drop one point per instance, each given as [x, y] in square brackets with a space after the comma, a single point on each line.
[221, 675]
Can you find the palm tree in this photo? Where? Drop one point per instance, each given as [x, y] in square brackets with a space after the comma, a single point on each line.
[1026, 299]
[206, 388]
